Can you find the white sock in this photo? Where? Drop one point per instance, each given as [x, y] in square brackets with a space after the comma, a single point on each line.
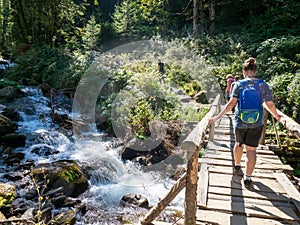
[247, 177]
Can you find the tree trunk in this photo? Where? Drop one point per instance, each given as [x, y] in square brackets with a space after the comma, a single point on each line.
[53, 23]
[201, 14]
[212, 17]
[195, 19]
[2, 31]
[20, 20]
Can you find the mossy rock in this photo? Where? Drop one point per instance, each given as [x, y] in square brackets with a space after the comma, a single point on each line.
[67, 217]
[64, 173]
[7, 194]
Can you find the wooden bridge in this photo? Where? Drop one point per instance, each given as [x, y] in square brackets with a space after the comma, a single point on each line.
[216, 195]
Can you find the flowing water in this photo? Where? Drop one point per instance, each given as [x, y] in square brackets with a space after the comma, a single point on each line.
[110, 179]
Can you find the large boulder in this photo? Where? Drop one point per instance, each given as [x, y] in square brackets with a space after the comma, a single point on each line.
[7, 194]
[65, 173]
[13, 140]
[6, 125]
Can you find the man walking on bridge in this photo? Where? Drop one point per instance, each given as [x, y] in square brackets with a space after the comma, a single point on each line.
[249, 96]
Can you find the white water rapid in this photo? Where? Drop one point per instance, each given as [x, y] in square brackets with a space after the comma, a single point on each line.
[110, 179]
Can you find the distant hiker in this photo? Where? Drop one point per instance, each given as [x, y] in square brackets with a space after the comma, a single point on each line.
[229, 81]
[248, 95]
[236, 78]
[160, 67]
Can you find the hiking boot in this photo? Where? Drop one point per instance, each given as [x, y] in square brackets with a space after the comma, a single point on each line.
[247, 183]
[238, 170]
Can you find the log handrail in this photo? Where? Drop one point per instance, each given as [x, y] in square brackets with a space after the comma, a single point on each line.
[191, 144]
[291, 125]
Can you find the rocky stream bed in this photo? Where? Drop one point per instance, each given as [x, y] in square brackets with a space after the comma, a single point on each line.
[48, 176]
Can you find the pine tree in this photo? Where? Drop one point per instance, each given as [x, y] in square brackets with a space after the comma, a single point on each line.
[91, 34]
[126, 18]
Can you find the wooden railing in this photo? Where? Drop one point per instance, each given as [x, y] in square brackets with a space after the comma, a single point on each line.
[189, 180]
[290, 125]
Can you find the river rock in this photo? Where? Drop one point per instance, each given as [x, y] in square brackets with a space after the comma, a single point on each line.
[6, 125]
[44, 215]
[2, 217]
[13, 176]
[44, 150]
[67, 217]
[7, 194]
[65, 173]
[46, 89]
[134, 199]
[11, 113]
[58, 201]
[200, 97]
[11, 157]
[28, 215]
[18, 207]
[13, 140]
[10, 92]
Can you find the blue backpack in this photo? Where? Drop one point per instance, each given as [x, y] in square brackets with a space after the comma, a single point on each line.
[250, 101]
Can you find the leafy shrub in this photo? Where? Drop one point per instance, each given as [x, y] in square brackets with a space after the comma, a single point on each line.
[144, 98]
[279, 85]
[47, 65]
[192, 114]
[279, 55]
[4, 82]
[294, 96]
[279, 18]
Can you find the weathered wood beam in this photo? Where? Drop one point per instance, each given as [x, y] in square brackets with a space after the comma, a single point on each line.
[163, 203]
[290, 124]
[190, 203]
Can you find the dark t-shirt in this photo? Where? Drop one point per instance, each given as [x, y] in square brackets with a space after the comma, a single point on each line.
[266, 96]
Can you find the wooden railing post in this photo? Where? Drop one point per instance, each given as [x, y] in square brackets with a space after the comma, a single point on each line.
[215, 108]
[190, 205]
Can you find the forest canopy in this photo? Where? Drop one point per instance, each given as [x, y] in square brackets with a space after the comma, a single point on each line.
[54, 41]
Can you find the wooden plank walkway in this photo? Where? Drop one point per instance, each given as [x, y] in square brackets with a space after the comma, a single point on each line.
[223, 199]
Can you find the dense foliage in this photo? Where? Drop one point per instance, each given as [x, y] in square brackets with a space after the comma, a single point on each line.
[55, 41]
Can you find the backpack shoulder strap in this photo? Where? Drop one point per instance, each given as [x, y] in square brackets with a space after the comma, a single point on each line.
[243, 83]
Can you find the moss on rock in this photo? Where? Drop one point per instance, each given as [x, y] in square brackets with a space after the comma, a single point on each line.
[64, 173]
[7, 194]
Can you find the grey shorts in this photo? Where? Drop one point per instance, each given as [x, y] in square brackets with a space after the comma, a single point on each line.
[248, 136]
